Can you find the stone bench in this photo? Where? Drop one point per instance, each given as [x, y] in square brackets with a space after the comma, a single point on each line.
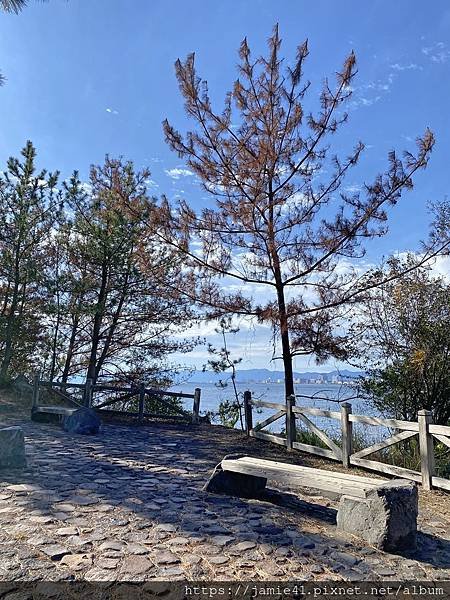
[384, 513]
[12, 448]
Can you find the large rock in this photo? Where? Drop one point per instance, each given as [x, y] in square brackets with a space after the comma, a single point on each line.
[235, 484]
[12, 448]
[386, 519]
[84, 421]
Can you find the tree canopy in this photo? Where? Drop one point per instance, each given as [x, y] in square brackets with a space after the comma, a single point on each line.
[406, 343]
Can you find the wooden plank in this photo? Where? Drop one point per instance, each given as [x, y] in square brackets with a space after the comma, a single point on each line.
[318, 412]
[66, 396]
[440, 482]
[276, 439]
[390, 441]
[55, 410]
[115, 388]
[114, 400]
[374, 465]
[315, 450]
[100, 387]
[444, 440]
[439, 429]
[297, 479]
[51, 384]
[35, 399]
[347, 434]
[393, 423]
[321, 435]
[248, 412]
[300, 469]
[170, 394]
[291, 430]
[196, 406]
[270, 420]
[263, 404]
[88, 392]
[427, 467]
[141, 402]
[152, 391]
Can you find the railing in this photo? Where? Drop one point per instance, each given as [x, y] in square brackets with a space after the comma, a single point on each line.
[127, 393]
[404, 430]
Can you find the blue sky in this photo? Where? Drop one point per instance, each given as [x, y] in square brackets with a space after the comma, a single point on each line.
[90, 77]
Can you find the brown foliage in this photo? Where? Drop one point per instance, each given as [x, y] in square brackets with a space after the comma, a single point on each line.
[282, 221]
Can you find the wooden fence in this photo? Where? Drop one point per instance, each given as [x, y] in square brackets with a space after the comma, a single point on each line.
[424, 428]
[88, 390]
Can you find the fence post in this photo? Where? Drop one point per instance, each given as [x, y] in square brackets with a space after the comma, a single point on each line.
[88, 392]
[291, 432]
[347, 433]
[36, 379]
[426, 448]
[196, 406]
[141, 402]
[248, 412]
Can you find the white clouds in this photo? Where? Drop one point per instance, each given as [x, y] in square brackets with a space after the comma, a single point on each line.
[363, 101]
[437, 53]
[86, 187]
[177, 173]
[353, 189]
[408, 67]
[151, 184]
[441, 267]
[112, 111]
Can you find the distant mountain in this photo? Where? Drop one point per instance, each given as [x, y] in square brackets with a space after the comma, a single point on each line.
[264, 375]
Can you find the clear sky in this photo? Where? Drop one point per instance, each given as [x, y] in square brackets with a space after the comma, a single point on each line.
[90, 77]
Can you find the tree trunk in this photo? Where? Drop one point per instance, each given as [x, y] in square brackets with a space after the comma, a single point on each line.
[113, 326]
[57, 324]
[285, 343]
[71, 347]
[9, 333]
[282, 314]
[99, 314]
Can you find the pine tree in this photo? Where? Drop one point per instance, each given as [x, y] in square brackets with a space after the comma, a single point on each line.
[111, 315]
[277, 244]
[29, 203]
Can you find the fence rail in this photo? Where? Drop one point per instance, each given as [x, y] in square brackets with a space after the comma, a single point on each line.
[423, 428]
[127, 393]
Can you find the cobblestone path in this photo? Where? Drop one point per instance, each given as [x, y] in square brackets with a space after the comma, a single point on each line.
[128, 505]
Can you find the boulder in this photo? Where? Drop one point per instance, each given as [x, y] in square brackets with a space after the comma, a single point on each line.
[12, 448]
[84, 421]
[386, 518]
[235, 484]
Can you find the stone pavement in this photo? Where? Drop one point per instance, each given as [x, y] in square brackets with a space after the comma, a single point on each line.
[128, 505]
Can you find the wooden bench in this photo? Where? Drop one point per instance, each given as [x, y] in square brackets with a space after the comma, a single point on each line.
[298, 476]
[382, 512]
[55, 410]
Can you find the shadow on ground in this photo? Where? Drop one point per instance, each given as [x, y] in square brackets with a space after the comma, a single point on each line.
[143, 486]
